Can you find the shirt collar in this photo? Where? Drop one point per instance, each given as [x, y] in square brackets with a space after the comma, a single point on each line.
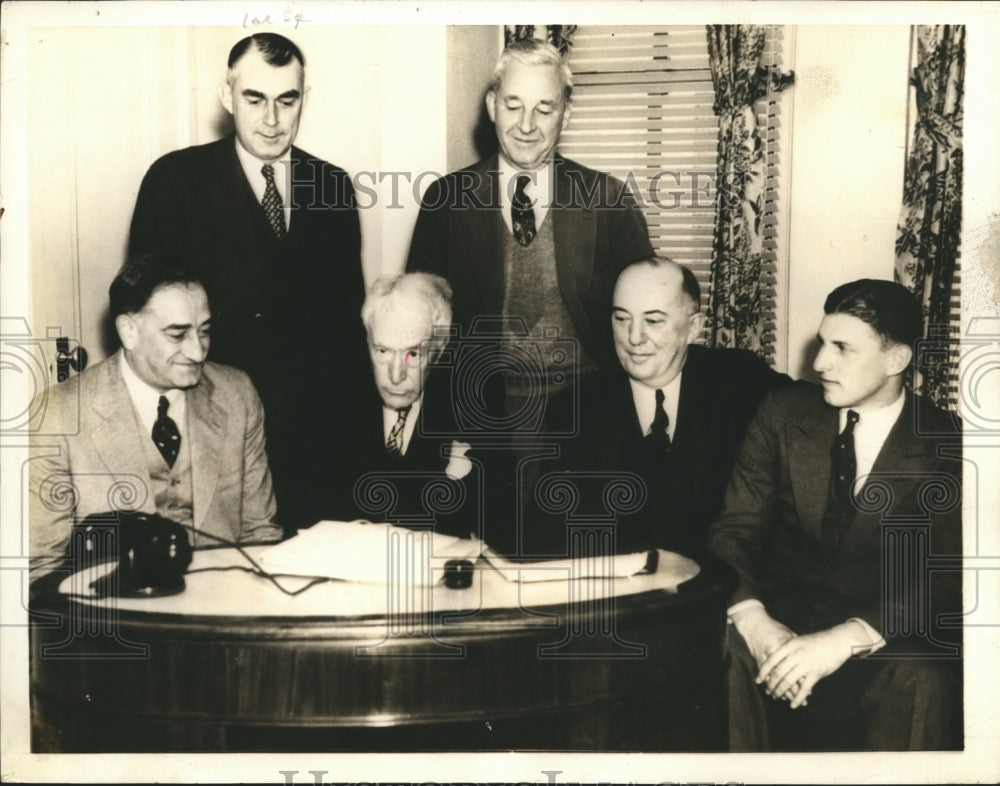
[539, 188]
[252, 166]
[644, 398]
[389, 416]
[875, 420]
[146, 398]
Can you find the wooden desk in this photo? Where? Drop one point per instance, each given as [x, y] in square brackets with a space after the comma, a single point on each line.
[231, 664]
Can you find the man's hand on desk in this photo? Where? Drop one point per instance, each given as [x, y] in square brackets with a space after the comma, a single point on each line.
[793, 669]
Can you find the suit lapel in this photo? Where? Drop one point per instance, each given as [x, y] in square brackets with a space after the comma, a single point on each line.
[238, 196]
[206, 428]
[118, 437]
[692, 403]
[626, 430]
[574, 230]
[482, 240]
[901, 465]
[810, 466]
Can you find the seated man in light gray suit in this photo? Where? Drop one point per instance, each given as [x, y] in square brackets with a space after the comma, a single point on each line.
[155, 427]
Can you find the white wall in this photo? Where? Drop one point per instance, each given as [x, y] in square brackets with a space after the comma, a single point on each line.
[848, 137]
[106, 102]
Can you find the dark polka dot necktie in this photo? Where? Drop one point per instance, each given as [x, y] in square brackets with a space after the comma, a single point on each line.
[521, 213]
[845, 463]
[273, 208]
[165, 433]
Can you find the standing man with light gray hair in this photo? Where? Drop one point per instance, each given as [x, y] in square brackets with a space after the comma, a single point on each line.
[530, 236]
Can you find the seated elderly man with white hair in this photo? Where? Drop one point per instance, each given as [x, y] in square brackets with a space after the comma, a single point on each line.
[406, 465]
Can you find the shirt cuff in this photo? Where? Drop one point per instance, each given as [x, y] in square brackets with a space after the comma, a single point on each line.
[736, 608]
[876, 642]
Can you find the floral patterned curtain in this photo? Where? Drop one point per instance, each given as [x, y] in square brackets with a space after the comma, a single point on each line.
[740, 80]
[560, 36]
[927, 239]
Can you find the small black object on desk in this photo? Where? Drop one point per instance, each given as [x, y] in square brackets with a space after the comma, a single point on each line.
[458, 574]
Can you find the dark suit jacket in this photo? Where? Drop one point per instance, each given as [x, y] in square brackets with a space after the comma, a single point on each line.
[96, 447]
[683, 489]
[287, 312]
[412, 488]
[598, 231]
[770, 530]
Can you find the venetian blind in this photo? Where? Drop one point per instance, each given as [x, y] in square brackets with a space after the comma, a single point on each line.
[642, 111]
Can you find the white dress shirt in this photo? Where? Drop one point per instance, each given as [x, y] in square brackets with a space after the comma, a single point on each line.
[282, 177]
[539, 190]
[146, 399]
[645, 404]
[870, 433]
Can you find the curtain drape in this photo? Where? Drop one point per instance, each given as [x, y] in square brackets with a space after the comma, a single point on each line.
[740, 80]
[560, 36]
[928, 236]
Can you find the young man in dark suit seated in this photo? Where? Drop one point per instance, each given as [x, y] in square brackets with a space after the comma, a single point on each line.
[407, 467]
[839, 494]
[671, 416]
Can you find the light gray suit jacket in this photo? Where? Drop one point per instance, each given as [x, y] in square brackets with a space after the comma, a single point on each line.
[92, 460]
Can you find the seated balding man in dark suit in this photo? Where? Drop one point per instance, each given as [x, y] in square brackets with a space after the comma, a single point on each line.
[839, 493]
[672, 413]
[154, 428]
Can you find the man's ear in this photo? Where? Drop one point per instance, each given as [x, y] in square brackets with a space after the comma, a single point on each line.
[128, 330]
[696, 323]
[491, 106]
[566, 114]
[226, 95]
[900, 356]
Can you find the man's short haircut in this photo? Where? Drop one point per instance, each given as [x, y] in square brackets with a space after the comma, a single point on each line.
[889, 308]
[433, 291]
[141, 276]
[530, 51]
[275, 49]
[689, 283]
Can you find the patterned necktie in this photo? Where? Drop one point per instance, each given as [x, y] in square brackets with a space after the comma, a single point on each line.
[521, 213]
[165, 433]
[272, 203]
[658, 438]
[845, 464]
[394, 445]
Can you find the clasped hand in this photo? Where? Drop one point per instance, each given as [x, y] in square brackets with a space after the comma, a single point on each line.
[790, 665]
[792, 670]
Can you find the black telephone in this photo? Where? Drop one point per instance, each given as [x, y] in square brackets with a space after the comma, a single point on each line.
[153, 553]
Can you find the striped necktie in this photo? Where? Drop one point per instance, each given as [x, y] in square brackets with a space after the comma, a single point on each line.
[394, 445]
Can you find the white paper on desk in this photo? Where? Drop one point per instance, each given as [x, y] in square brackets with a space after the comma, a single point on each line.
[363, 551]
[606, 566]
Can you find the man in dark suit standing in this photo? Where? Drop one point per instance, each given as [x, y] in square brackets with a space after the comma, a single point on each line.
[274, 232]
[839, 494]
[402, 439]
[672, 413]
[530, 236]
